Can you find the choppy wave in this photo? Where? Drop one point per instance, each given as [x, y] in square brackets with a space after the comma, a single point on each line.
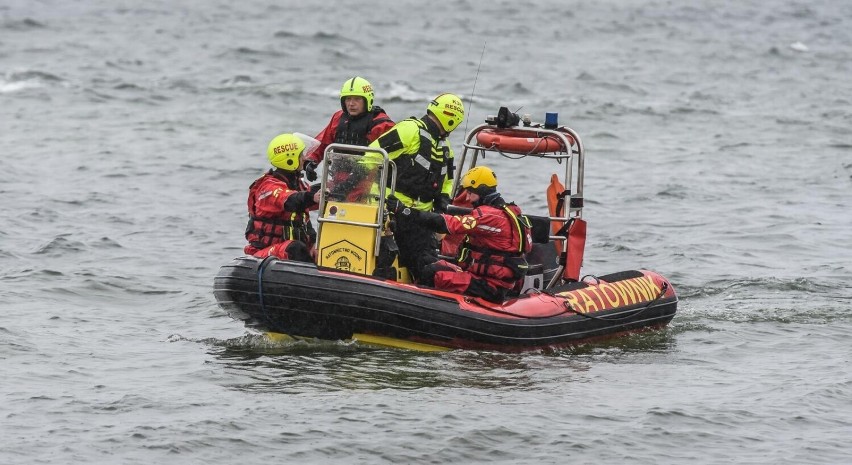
[23, 24]
[61, 245]
[16, 81]
[11, 343]
[799, 285]
[254, 55]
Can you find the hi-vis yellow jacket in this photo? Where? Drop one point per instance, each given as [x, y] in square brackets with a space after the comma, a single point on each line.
[424, 162]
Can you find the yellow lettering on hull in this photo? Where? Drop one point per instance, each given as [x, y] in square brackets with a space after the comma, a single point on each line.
[605, 296]
[610, 295]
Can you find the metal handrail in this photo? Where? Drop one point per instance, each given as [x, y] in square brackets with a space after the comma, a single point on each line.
[381, 214]
[572, 153]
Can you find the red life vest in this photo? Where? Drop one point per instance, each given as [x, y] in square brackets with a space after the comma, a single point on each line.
[356, 131]
[269, 222]
[498, 238]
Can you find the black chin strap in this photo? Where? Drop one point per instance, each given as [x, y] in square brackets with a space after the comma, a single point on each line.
[493, 199]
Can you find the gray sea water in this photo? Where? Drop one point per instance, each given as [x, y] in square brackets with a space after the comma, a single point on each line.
[719, 142]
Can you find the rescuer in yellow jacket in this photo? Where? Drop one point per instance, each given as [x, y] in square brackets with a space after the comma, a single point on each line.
[424, 163]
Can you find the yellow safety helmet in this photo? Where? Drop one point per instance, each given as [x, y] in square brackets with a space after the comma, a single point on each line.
[358, 87]
[284, 152]
[449, 110]
[479, 179]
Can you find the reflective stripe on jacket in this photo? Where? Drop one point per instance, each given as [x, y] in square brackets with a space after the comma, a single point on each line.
[424, 162]
[497, 240]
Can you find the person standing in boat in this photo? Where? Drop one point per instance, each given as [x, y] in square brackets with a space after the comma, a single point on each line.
[424, 163]
[358, 122]
[279, 201]
[497, 237]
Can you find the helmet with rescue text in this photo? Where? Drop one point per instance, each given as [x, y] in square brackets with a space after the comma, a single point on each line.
[448, 109]
[284, 152]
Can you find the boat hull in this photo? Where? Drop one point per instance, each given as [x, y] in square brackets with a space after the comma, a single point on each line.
[302, 300]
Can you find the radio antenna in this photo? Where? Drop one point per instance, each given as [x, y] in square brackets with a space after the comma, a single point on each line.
[472, 92]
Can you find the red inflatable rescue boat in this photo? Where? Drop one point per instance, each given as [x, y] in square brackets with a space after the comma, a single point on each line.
[357, 291]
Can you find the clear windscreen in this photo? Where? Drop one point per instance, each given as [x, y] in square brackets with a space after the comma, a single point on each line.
[352, 178]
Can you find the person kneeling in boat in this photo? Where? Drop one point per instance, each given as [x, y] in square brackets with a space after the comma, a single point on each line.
[279, 224]
[491, 260]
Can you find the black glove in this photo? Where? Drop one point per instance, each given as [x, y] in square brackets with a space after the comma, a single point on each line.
[441, 203]
[401, 210]
[394, 205]
[311, 170]
[315, 187]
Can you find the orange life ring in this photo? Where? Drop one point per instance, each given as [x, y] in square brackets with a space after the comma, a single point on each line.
[515, 141]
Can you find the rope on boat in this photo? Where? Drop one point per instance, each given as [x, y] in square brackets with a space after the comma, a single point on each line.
[663, 290]
[519, 155]
[260, 269]
[532, 151]
[597, 280]
[475, 300]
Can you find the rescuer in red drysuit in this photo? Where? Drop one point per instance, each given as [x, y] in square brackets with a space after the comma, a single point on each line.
[491, 259]
[358, 122]
[279, 201]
